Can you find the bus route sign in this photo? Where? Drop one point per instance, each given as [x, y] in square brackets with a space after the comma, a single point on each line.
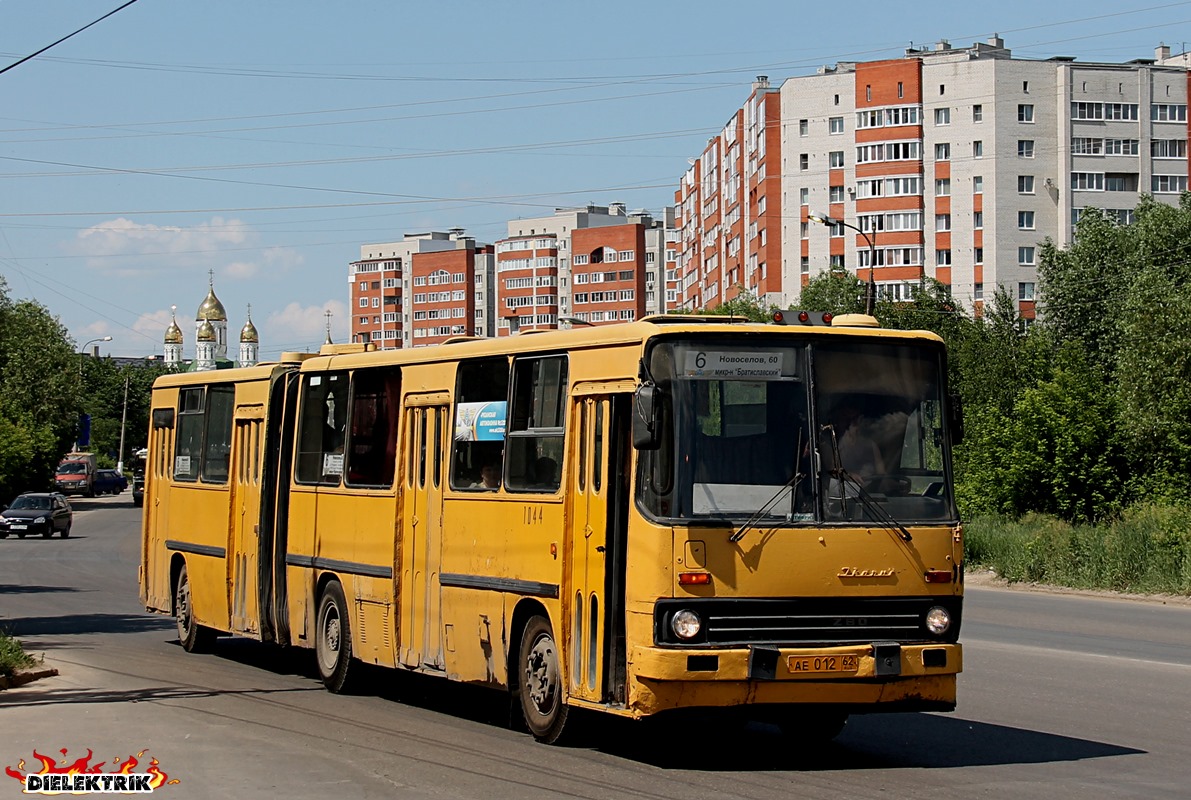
[709, 365]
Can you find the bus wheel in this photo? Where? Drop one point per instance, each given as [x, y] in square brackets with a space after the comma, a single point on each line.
[195, 638]
[539, 683]
[333, 639]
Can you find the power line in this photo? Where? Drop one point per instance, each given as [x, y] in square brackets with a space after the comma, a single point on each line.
[64, 38]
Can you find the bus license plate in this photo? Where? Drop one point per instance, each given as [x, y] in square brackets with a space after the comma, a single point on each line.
[843, 663]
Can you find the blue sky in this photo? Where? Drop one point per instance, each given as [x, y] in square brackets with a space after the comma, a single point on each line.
[268, 140]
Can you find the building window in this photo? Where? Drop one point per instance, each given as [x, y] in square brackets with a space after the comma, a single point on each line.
[363, 302]
[942, 116]
[899, 90]
[978, 256]
[943, 258]
[977, 184]
[1168, 184]
[1168, 112]
[1168, 148]
[805, 265]
[1088, 181]
[977, 220]
[977, 149]
[1025, 256]
[978, 291]
[942, 222]
[835, 125]
[1025, 184]
[1025, 220]
[836, 262]
[804, 161]
[868, 93]
[943, 187]
[1025, 148]
[978, 113]
[835, 194]
[836, 158]
[943, 151]
[1025, 291]
[1025, 112]
[804, 127]
[804, 195]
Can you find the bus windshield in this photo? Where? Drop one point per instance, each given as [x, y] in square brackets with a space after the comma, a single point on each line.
[807, 432]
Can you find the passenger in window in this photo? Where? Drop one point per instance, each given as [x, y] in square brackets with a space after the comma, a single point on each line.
[489, 476]
[545, 473]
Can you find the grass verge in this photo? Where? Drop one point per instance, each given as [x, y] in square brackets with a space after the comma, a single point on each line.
[13, 656]
[1148, 550]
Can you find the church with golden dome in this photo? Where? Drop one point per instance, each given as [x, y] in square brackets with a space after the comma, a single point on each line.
[210, 336]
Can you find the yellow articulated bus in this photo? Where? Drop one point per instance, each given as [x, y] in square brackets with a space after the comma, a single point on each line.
[679, 512]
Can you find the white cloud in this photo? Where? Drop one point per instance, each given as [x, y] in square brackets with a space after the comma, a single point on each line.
[299, 327]
[124, 248]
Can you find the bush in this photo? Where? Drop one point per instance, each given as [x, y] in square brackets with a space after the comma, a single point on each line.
[1147, 550]
[13, 656]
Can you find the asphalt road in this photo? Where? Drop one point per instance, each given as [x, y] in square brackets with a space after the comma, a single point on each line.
[1063, 697]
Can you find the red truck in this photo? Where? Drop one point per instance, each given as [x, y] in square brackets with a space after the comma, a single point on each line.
[76, 474]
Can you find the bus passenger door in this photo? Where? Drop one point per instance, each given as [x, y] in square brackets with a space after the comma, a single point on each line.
[425, 431]
[596, 550]
[244, 566]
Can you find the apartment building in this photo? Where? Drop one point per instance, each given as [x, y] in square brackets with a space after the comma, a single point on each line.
[588, 265]
[954, 163]
[422, 290]
[729, 209]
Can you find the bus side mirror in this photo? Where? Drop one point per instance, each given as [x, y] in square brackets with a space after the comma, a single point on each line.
[955, 413]
[645, 418]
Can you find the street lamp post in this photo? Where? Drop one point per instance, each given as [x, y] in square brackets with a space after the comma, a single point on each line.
[87, 344]
[870, 294]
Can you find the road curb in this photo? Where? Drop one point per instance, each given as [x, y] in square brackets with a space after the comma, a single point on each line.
[26, 676]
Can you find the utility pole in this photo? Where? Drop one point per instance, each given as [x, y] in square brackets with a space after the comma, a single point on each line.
[123, 420]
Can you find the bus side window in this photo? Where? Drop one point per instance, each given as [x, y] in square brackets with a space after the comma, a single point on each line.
[478, 427]
[536, 419]
[321, 427]
[218, 439]
[372, 427]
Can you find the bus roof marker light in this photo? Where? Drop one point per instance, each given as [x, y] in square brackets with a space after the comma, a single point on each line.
[803, 316]
[827, 317]
[779, 318]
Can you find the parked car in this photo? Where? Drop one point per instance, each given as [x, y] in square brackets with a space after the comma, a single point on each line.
[138, 489]
[37, 512]
[109, 481]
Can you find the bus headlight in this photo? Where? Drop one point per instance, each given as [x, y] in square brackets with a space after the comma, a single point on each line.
[938, 620]
[686, 624]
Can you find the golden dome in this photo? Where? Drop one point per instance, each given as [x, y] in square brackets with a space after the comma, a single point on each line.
[248, 334]
[173, 334]
[211, 309]
[206, 331]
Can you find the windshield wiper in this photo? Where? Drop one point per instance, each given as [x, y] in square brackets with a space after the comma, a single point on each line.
[798, 475]
[876, 512]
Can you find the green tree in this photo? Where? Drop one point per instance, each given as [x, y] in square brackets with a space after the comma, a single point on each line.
[1065, 456]
[836, 291]
[103, 392]
[38, 395]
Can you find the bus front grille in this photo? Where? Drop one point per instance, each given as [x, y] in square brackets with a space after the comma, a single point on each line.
[806, 621]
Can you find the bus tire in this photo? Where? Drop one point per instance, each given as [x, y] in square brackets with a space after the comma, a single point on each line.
[333, 640]
[539, 682]
[195, 638]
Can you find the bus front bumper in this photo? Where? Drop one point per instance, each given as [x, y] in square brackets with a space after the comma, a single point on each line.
[865, 677]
